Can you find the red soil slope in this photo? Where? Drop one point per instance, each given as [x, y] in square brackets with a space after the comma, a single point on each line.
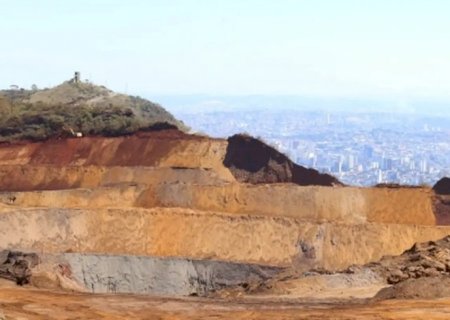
[141, 149]
[248, 159]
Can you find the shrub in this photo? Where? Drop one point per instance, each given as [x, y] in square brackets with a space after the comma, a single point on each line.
[39, 121]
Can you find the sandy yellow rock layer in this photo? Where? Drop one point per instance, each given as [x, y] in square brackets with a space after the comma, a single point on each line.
[208, 235]
[317, 204]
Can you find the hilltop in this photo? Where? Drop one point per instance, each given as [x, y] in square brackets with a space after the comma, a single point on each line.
[76, 106]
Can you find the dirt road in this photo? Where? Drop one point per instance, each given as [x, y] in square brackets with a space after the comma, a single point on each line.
[21, 303]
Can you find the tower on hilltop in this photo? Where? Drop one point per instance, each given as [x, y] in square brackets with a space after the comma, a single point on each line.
[76, 77]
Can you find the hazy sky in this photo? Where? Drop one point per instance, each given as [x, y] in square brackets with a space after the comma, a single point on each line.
[397, 48]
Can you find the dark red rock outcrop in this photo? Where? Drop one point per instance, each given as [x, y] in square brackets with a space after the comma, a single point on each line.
[442, 201]
[442, 186]
[252, 161]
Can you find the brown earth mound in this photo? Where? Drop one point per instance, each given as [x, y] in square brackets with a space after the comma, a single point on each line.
[422, 288]
[252, 161]
[427, 259]
[442, 187]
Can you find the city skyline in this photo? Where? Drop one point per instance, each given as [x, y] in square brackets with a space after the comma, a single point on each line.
[361, 149]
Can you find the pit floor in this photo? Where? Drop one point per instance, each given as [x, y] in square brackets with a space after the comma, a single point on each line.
[28, 303]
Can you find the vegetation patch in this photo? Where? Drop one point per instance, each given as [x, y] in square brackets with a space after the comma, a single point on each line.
[77, 110]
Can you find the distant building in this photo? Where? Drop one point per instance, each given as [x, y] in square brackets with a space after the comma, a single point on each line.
[423, 166]
[367, 152]
[352, 161]
[312, 160]
[380, 177]
[386, 164]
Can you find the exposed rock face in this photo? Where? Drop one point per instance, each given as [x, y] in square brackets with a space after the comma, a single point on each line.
[16, 266]
[163, 276]
[252, 161]
[104, 273]
[157, 149]
[177, 232]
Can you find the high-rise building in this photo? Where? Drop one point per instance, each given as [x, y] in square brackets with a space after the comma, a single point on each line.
[423, 166]
[380, 176]
[352, 161]
[367, 152]
[386, 164]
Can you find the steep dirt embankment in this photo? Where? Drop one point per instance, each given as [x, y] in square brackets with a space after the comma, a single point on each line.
[207, 235]
[34, 178]
[317, 204]
[252, 161]
[345, 205]
[168, 148]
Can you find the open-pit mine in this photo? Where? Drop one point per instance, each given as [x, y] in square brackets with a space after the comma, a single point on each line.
[168, 225]
[109, 209]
